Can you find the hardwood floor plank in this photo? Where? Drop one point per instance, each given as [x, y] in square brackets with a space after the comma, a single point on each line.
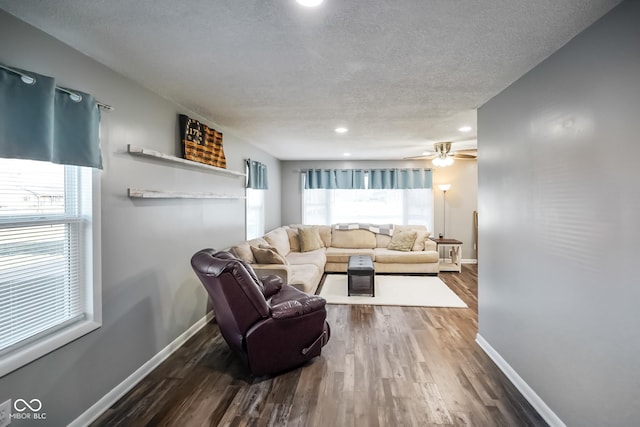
[384, 366]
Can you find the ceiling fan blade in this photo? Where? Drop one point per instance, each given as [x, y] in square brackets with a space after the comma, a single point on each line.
[466, 154]
[431, 157]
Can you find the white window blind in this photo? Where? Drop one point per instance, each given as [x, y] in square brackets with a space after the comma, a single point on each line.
[406, 207]
[255, 213]
[45, 227]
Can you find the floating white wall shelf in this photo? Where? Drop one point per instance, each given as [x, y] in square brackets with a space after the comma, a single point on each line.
[155, 194]
[147, 152]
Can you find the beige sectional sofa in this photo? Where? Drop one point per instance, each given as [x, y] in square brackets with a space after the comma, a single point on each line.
[301, 260]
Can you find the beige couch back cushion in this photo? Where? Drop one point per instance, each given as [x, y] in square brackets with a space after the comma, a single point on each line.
[325, 235]
[278, 239]
[294, 243]
[356, 239]
[382, 240]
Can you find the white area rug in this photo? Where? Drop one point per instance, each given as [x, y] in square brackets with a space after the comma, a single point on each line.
[416, 291]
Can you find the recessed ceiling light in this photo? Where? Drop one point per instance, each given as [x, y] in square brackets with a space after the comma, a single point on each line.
[346, 154]
[465, 129]
[310, 3]
[341, 130]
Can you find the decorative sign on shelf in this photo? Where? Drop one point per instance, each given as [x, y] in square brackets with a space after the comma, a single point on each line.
[200, 143]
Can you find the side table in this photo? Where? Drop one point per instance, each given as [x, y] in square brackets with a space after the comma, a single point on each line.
[454, 262]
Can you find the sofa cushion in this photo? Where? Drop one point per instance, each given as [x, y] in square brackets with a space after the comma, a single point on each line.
[389, 256]
[267, 255]
[309, 239]
[355, 239]
[316, 258]
[402, 241]
[279, 240]
[305, 277]
[294, 243]
[382, 240]
[325, 234]
[343, 254]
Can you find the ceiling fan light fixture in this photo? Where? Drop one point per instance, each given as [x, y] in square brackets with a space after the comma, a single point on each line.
[442, 161]
[310, 3]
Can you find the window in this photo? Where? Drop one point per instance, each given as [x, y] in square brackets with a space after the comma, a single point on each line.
[49, 258]
[255, 213]
[321, 206]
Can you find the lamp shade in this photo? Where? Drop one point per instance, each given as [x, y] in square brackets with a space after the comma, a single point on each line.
[444, 187]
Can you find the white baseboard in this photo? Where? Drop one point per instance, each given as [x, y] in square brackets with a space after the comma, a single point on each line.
[545, 412]
[469, 261]
[91, 414]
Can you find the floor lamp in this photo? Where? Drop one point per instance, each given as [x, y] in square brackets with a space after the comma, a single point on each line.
[444, 188]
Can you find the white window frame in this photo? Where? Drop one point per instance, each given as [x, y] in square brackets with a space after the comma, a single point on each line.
[92, 293]
[329, 195]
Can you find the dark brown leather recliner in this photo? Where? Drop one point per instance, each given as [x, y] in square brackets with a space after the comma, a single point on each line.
[271, 326]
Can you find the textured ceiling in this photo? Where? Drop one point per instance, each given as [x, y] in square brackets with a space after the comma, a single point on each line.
[400, 75]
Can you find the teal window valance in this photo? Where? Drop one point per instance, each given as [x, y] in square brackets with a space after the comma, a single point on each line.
[41, 121]
[374, 179]
[257, 175]
[401, 179]
[334, 179]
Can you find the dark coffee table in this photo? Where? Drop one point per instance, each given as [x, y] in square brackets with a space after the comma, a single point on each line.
[360, 269]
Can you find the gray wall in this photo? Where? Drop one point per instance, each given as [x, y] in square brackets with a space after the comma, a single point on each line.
[150, 295]
[461, 199]
[558, 208]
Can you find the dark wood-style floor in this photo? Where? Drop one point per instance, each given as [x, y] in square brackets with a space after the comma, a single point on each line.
[384, 366]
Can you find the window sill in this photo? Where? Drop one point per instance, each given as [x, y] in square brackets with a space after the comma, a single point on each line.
[27, 354]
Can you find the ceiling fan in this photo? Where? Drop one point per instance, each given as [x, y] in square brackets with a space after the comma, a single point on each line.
[444, 156]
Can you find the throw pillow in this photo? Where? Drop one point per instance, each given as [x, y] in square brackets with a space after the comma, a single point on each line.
[268, 256]
[309, 239]
[243, 251]
[402, 241]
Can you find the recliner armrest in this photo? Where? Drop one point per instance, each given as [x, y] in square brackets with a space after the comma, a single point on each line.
[297, 307]
[272, 285]
[281, 270]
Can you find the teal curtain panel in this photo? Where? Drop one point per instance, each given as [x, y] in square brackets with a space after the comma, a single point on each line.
[40, 121]
[257, 175]
[76, 130]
